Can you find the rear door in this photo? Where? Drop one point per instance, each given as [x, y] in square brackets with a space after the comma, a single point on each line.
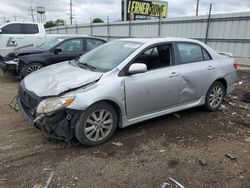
[197, 71]
[32, 34]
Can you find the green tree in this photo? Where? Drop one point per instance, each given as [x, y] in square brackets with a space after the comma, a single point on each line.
[58, 22]
[97, 20]
[49, 24]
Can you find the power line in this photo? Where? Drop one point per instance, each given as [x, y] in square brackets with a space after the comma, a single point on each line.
[32, 13]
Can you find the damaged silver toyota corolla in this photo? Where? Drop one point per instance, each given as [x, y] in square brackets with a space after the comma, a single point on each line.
[124, 82]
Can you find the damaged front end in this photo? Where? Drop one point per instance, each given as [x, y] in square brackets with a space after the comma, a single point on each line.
[59, 124]
[46, 98]
[9, 65]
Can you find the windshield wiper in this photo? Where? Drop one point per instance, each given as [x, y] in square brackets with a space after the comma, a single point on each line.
[87, 65]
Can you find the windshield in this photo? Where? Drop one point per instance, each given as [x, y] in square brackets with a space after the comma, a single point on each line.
[109, 55]
[50, 43]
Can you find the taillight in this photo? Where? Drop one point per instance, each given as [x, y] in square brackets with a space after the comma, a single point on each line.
[235, 65]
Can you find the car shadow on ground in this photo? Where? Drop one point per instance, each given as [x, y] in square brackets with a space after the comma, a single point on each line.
[185, 124]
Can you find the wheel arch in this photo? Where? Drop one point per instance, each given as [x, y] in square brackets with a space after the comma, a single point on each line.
[39, 62]
[116, 107]
[224, 82]
[24, 65]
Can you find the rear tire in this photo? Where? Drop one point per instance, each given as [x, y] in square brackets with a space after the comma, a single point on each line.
[214, 96]
[96, 125]
[27, 69]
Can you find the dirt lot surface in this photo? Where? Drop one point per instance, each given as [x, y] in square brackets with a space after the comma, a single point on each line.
[189, 146]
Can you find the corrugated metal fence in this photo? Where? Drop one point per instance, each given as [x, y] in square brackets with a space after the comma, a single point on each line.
[226, 32]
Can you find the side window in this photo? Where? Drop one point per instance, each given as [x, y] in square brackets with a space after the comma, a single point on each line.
[12, 29]
[73, 45]
[93, 43]
[30, 28]
[156, 57]
[190, 52]
[206, 55]
[151, 51]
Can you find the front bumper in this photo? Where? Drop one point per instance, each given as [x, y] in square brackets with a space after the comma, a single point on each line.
[60, 125]
[7, 67]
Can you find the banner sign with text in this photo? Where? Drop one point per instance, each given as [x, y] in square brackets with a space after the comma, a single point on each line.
[147, 9]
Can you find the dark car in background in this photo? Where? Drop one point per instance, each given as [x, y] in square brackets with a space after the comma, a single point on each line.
[27, 59]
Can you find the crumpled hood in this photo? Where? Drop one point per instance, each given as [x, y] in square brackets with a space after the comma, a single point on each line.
[58, 78]
[25, 50]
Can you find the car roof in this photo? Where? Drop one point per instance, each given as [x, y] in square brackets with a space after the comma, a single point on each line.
[158, 40]
[74, 36]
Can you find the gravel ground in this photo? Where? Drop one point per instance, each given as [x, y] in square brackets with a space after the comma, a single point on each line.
[189, 146]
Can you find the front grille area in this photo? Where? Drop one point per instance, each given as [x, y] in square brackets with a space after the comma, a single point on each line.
[1, 58]
[29, 100]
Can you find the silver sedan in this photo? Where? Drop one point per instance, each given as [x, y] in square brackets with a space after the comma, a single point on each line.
[122, 83]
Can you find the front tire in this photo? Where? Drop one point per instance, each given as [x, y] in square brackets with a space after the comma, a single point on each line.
[96, 125]
[27, 69]
[215, 96]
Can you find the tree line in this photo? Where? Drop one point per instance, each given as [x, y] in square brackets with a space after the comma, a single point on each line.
[60, 22]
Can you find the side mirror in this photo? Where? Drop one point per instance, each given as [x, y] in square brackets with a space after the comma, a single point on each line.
[136, 68]
[0, 30]
[57, 50]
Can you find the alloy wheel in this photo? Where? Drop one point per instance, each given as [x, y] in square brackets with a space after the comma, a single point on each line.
[216, 96]
[98, 125]
[32, 68]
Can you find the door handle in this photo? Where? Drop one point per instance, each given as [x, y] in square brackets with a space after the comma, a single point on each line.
[210, 67]
[173, 74]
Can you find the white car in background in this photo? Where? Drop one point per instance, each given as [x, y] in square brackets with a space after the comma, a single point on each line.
[18, 34]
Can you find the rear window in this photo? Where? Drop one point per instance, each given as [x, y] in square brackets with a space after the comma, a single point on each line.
[30, 28]
[12, 29]
[191, 52]
[93, 43]
[16, 28]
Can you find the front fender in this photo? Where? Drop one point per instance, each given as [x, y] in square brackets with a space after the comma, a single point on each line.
[104, 90]
[25, 60]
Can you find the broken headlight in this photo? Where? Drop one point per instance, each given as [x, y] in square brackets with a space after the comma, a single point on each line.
[51, 105]
[12, 62]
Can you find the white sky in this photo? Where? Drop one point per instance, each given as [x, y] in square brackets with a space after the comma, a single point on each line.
[86, 9]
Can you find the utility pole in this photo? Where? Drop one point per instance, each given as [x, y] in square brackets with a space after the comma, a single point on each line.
[4, 19]
[32, 13]
[197, 7]
[71, 12]
[108, 28]
[208, 22]
[91, 29]
[14, 16]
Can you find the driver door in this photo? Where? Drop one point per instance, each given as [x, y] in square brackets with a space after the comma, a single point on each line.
[158, 88]
[71, 49]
